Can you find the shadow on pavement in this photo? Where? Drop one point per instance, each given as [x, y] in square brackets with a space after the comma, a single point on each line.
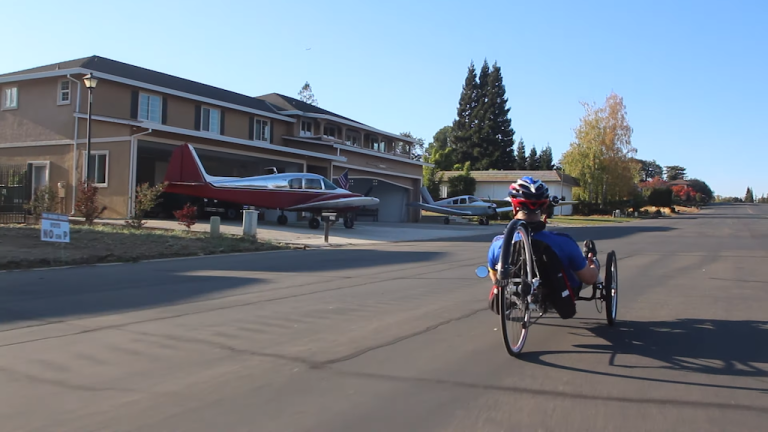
[580, 234]
[697, 346]
[60, 294]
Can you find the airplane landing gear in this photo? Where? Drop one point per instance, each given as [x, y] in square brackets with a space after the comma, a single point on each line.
[349, 221]
[447, 220]
[314, 223]
[282, 219]
[483, 221]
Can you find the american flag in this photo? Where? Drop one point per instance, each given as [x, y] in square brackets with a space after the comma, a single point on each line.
[344, 180]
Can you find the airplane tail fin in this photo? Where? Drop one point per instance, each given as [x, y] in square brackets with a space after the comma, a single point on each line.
[185, 167]
[425, 194]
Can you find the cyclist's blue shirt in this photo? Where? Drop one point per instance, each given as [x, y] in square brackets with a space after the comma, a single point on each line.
[564, 246]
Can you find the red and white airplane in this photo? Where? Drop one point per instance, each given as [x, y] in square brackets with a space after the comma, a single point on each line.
[301, 192]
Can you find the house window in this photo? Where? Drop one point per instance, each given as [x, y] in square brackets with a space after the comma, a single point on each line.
[352, 140]
[261, 130]
[306, 128]
[10, 98]
[99, 163]
[210, 120]
[64, 92]
[329, 131]
[150, 107]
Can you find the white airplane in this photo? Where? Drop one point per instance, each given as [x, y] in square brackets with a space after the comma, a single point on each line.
[468, 206]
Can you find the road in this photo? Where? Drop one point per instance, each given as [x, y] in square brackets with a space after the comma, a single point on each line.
[397, 338]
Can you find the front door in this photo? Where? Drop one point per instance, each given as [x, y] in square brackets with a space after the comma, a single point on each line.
[39, 175]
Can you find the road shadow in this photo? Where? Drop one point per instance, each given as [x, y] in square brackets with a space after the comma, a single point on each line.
[579, 234]
[29, 298]
[697, 346]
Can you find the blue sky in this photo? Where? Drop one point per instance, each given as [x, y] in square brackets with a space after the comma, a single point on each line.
[692, 73]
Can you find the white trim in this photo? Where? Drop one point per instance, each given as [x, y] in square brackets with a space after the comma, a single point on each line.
[223, 150]
[59, 92]
[132, 171]
[384, 180]
[38, 75]
[358, 125]
[3, 99]
[180, 131]
[36, 143]
[106, 166]
[307, 140]
[380, 154]
[47, 165]
[101, 75]
[74, 147]
[376, 171]
[63, 142]
[150, 95]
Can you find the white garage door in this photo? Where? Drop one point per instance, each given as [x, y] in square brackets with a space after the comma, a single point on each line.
[392, 198]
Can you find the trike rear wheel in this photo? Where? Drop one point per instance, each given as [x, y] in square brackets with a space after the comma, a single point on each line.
[516, 260]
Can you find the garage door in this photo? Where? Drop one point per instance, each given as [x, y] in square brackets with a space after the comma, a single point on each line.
[392, 197]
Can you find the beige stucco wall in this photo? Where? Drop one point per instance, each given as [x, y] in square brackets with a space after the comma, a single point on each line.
[59, 156]
[115, 194]
[38, 116]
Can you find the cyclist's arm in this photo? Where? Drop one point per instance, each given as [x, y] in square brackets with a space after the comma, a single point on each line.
[493, 259]
[587, 273]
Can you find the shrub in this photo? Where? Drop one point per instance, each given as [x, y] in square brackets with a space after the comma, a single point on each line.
[146, 197]
[86, 204]
[660, 197]
[187, 216]
[45, 200]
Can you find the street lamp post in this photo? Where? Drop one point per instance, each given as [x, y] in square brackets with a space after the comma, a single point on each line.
[90, 83]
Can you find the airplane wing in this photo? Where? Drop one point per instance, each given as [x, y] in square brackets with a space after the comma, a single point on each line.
[336, 203]
[439, 210]
[505, 209]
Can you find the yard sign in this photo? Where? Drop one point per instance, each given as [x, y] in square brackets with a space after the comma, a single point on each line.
[54, 227]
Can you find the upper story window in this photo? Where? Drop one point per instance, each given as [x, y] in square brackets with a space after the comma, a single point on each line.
[150, 107]
[329, 131]
[352, 140]
[210, 120]
[65, 93]
[10, 98]
[306, 128]
[261, 131]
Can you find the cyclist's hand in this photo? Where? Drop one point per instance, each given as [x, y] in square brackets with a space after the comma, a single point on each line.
[593, 262]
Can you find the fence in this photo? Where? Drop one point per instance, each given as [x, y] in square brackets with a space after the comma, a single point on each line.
[14, 193]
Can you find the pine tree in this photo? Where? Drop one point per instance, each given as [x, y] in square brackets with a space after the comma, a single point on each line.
[480, 151]
[306, 95]
[522, 159]
[533, 160]
[502, 136]
[463, 126]
[749, 197]
[546, 160]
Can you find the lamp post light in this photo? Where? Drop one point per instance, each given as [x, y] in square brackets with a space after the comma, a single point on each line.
[90, 83]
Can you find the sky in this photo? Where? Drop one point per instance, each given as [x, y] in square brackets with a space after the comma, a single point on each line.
[693, 74]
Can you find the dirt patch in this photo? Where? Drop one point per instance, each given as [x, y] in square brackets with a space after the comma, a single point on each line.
[21, 247]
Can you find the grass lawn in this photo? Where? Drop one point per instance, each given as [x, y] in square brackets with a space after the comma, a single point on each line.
[21, 247]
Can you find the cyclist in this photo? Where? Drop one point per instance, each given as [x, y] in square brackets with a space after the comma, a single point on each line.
[530, 198]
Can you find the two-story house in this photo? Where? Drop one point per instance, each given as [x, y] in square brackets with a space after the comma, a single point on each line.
[138, 116]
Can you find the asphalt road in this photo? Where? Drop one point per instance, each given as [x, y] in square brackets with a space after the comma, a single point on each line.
[396, 338]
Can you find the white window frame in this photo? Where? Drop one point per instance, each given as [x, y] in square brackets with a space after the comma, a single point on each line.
[149, 97]
[97, 153]
[331, 127]
[60, 92]
[214, 128]
[259, 133]
[3, 98]
[47, 165]
[302, 132]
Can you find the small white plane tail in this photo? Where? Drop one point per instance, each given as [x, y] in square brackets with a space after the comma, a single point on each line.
[425, 194]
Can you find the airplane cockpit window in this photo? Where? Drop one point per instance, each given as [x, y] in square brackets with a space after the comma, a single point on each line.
[473, 200]
[328, 185]
[312, 183]
[294, 183]
[462, 201]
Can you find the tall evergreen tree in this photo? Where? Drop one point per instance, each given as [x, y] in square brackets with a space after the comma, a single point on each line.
[481, 145]
[522, 158]
[463, 126]
[501, 154]
[546, 160]
[533, 160]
